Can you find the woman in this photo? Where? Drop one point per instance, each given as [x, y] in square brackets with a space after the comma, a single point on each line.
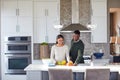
[59, 51]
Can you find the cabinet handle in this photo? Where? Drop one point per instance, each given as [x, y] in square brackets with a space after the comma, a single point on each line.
[91, 12]
[17, 28]
[58, 11]
[18, 12]
[47, 12]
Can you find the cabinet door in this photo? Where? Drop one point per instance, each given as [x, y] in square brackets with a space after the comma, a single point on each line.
[25, 21]
[52, 18]
[9, 26]
[25, 8]
[45, 15]
[39, 22]
[99, 34]
[8, 18]
[17, 17]
[99, 8]
[9, 8]
[25, 26]
[34, 75]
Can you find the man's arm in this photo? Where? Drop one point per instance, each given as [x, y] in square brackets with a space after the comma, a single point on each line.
[80, 55]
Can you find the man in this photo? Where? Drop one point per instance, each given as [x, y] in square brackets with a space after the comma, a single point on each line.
[77, 49]
[76, 53]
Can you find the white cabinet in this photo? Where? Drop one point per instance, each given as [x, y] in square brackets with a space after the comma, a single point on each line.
[34, 75]
[99, 18]
[17, 17]
[46, 14]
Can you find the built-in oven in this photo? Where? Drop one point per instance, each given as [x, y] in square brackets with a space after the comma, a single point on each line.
[17, 54]
[18, 44]
[17, 47]
[15, 63]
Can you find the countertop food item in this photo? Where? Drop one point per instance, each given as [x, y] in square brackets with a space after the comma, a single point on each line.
[70, 63]
[61, 62]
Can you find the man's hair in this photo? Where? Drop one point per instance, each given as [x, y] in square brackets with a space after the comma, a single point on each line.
[77, 32]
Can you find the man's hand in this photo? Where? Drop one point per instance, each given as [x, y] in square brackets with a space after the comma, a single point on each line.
[75, 64]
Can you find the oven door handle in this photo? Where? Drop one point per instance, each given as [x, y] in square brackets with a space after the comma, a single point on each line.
[18, 43]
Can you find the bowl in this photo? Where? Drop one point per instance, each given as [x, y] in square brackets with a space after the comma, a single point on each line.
[46, 61]
[98, 55]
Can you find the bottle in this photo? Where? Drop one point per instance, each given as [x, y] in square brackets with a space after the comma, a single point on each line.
[101, 51]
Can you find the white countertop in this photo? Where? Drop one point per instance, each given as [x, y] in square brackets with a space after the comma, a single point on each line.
[79, 68]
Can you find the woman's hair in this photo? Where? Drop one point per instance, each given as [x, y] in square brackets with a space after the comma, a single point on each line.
[59, 36]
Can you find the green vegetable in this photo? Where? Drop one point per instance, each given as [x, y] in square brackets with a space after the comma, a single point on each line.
[44, 43]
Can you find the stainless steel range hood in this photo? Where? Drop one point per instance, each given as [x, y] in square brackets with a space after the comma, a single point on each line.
[75, 25]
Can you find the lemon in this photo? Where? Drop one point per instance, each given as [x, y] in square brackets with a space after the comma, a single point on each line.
[63, 62]
[59, 62]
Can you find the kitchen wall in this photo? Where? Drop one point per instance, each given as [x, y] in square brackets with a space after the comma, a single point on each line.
[114, 3]
[65, 18]
[85, 14]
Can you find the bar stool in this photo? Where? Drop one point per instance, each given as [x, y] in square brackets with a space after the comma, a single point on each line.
[60, 74]
[97, 74]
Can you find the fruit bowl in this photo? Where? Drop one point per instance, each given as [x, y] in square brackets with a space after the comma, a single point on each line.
[98, 55]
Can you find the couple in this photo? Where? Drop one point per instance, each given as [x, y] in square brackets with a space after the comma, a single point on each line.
[61, 52]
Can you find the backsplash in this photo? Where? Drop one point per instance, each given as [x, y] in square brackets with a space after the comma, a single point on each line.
[89, 47]
[86, 38]
[66, 12]
[36, 54]
[85, 17]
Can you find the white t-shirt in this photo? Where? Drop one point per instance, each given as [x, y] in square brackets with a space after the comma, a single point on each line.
[59, 53]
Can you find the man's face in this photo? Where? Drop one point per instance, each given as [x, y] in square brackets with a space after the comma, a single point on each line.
[75, 37]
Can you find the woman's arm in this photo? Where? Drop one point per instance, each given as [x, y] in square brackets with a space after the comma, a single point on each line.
[52, 56]
[67, 54]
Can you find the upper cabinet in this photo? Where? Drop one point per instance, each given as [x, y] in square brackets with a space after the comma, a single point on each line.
[46, 14]
[99, 18]
[17, 17]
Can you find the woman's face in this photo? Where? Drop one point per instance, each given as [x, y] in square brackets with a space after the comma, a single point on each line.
[60, 40]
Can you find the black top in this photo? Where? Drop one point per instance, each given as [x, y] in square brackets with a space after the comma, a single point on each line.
[76, 51]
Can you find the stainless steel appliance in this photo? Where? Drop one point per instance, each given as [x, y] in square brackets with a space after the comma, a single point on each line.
[15, 64]
[17, 54]
[18, 44]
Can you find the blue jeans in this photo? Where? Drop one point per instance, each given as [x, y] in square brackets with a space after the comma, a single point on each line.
[78, 76]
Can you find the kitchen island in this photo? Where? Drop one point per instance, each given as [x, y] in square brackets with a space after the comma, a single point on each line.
[34, 71]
